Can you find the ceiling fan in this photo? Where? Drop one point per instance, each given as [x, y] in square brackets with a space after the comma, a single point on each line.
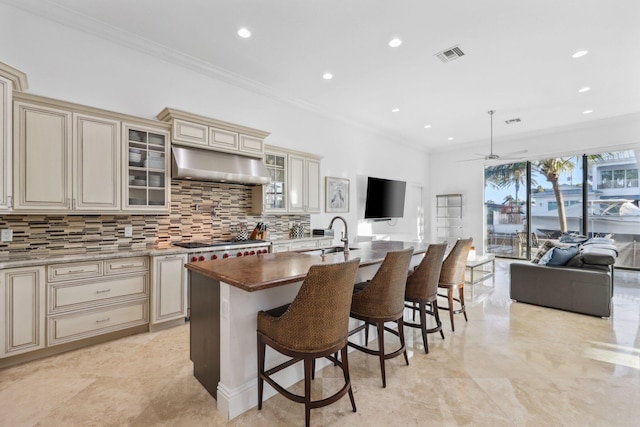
[492, 155]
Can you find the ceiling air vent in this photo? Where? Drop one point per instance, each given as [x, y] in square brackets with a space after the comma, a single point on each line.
[450, 54]
[510, 121]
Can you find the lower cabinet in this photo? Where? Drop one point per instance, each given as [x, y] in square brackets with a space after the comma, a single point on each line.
[169, 291]
[22, 305]
[91, 298]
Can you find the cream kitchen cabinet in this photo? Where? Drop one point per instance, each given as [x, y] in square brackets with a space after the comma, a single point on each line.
[204, 132]
[10, 80]
[65, 160]
[22, 305]
[91, 298]
[295, 183]
[169, 288]
[147, 180]
[304, 184]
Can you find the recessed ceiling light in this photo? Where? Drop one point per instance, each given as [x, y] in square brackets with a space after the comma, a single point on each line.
[395, 42]
[244, 33]
[327, 76]
[584, 89]
[427, 126]
[395, 110]
[580, 53]
[450, 138]
[587, 112]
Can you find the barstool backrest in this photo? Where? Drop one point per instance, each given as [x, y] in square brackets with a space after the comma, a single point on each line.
[423, 282]
[384, 295]
[456, 262]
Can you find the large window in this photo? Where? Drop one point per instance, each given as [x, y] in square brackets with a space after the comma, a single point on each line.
[530, 202]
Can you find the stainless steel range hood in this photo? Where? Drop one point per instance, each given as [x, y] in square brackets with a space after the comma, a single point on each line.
[207, 165]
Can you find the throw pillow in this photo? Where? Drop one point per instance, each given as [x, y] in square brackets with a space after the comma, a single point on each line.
[547, 257]
[561, 256]
[542, 250]
[572, 238]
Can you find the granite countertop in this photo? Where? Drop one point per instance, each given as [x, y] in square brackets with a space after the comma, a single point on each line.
[275, 269]
[33, 258]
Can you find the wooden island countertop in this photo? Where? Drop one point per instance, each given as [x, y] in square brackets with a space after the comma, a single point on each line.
[255, 273]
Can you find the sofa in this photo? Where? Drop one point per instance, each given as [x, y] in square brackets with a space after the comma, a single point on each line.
[580, 280]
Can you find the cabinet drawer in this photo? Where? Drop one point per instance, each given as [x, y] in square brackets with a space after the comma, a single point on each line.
[76, 270]
[223, 139]
[126, 265]
[88, 323]
[64, 297]
[190, 132]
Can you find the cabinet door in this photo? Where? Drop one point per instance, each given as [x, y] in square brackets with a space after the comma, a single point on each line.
[312, 187]
[5, 142]
[96, 163]
[42, 157]
[193, 133]
[275, 193]
[223, 139]
[22, 302]
[251, 145]
[147, 181]
[169, 292]
[296, 184]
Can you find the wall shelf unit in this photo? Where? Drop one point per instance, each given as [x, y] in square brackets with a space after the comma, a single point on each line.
[449, 217]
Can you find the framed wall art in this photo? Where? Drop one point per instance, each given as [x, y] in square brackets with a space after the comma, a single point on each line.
[336, 194]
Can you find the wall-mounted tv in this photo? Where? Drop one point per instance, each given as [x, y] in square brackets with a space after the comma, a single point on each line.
[385, 198]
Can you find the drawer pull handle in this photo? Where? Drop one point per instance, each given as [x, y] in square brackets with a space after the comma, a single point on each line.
[76, 271]
[127, 265]
[103, 291]
[103, 320]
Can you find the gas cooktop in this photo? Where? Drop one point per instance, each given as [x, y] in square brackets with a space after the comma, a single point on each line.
[196, 245]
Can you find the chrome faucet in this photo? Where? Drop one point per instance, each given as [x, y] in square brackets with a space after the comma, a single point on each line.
[345, 234]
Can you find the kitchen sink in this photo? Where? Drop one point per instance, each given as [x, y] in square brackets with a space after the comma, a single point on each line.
[329, 250]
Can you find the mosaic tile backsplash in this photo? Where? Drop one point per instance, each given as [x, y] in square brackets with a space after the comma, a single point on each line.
[199, 211]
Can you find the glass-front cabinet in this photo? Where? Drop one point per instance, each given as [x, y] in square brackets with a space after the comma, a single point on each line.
[147, 181]
[275, 193]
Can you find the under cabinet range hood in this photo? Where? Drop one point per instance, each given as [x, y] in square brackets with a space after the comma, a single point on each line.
[206, 165]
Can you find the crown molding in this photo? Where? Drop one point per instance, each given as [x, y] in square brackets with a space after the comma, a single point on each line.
[78, 21]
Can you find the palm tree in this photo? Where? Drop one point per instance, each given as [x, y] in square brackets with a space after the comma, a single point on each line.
[503, 176]
[551, 169]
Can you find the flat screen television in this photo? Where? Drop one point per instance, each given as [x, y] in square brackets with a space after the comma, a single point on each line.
[385, 198]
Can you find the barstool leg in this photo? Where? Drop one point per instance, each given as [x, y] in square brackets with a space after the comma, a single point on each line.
[347, 376]
[307, 391]
[464, 310]
[381, 350]
[423, 326]
[401, 334]
[450, 299]
[434, 308]
[261, 352]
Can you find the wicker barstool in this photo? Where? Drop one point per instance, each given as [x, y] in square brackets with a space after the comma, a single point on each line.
[452, 277]
[422, 291]
[381, 300]
[314, 325]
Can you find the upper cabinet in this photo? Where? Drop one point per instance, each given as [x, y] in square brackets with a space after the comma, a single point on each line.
[147, 186]
[10, 80]
[65, 160]
[204, 132]
[295, 183]
[75, 159]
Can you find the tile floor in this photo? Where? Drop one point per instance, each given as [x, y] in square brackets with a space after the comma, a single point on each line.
[512, 364]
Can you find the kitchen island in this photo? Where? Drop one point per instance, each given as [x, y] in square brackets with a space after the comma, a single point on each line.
[226, 296]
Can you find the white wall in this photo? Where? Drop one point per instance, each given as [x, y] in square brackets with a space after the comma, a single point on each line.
[448, 175]
[67, 64]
